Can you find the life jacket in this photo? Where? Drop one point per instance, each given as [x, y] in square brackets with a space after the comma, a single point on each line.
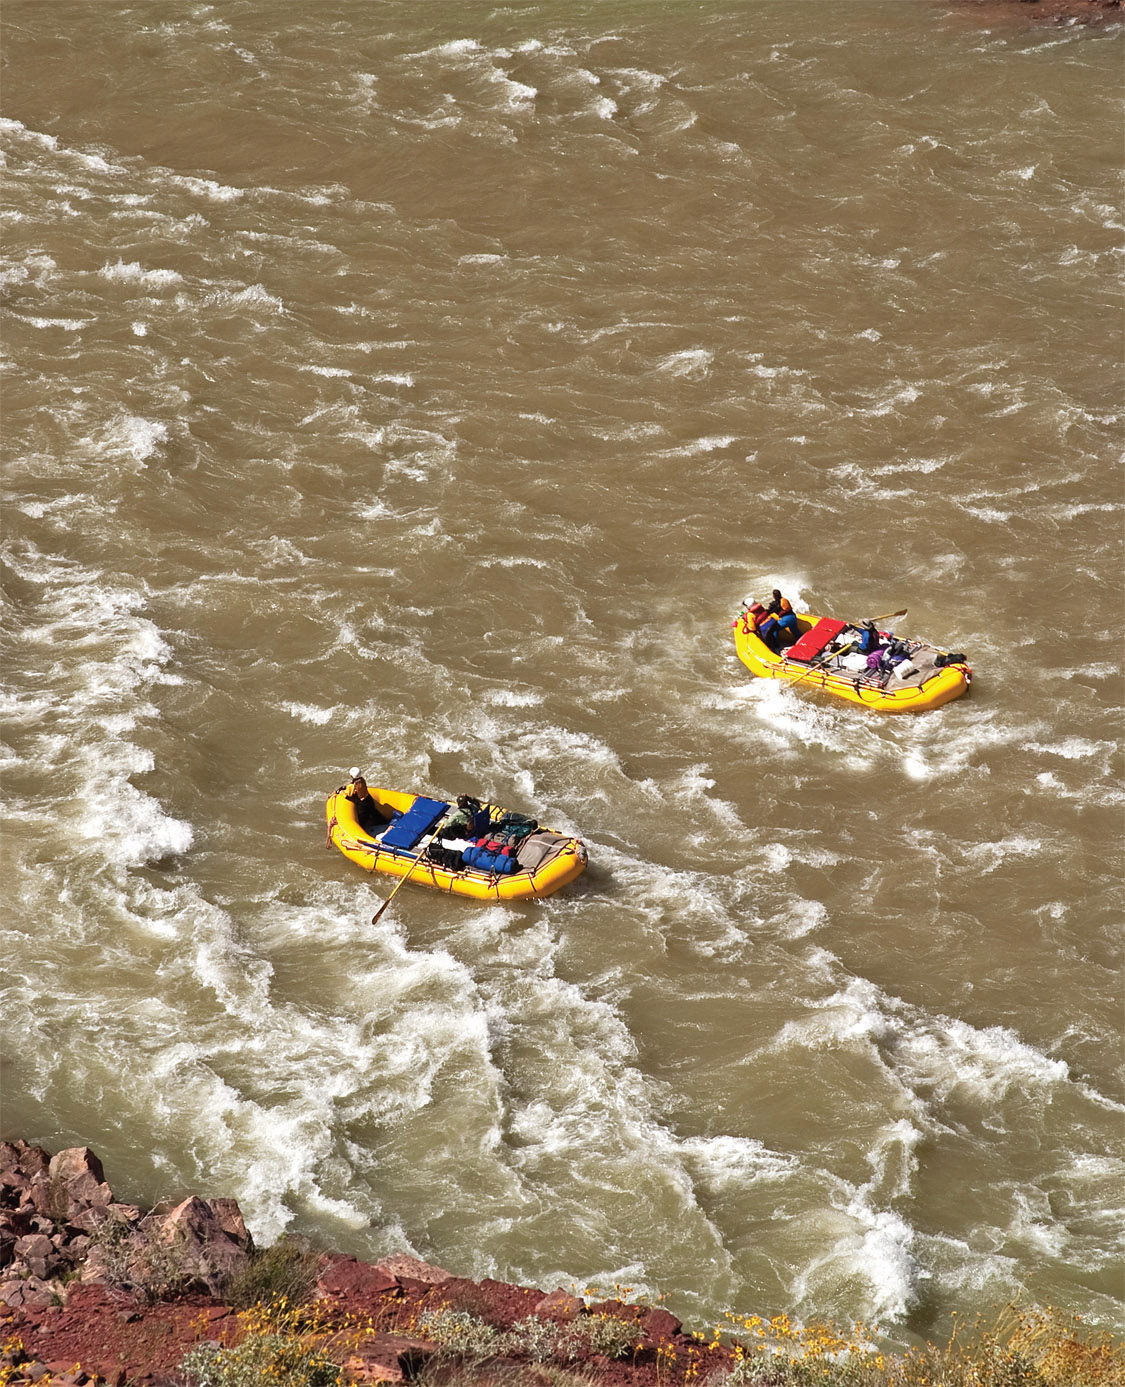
[752, 618]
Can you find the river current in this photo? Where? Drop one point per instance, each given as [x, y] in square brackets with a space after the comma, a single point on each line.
[423, 387]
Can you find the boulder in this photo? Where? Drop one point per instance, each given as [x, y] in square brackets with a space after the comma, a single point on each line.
[388, 1358]
[355, 1281]
[74, 1161]
[28, 1292]
[38, 1195]
[401, 1264]
[91, 1219]
[202, 1246]
[77, 1182]
[659, 1325]
[19, 1158]
[39, 1255]
[17, 1222]
[230, 1220]
[559, 1306]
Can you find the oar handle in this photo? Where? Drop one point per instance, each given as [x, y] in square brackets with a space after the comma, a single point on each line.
[887, 616]
[406, 875]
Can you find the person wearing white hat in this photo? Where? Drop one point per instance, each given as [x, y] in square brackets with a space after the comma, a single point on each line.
[368, 814]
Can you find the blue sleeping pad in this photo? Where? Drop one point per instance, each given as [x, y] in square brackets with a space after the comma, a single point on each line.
[415, 823]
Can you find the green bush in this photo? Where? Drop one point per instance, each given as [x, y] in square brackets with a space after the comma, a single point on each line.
[279, 1359]
[604, 1334]
[285, 1272]
[541, 1341]
[462, 1333]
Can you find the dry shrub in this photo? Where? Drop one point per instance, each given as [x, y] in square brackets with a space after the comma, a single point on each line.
[285, 1272]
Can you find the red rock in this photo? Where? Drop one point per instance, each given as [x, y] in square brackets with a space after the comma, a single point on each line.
[659, 1324]
[230, 1220]
[17, 1221]
[81, 1193]
[401, 1264]
[26, 1160]
[39, 1255]
[346, 1276]
[389, 1358]
[495, 1302]
[39, 1196]
[207, 1250]
[361, 1369]
[66, 1372]
[560, 1306]
[75, 1161]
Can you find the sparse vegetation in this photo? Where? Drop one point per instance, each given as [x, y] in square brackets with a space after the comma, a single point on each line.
[281, 1347]
[461, 1333]
[1027, 1348]
[139, 1257]
[284, 1272]
[539, 1340]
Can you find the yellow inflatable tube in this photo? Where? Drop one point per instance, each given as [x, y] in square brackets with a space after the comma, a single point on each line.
[565, 860]
[929, 687]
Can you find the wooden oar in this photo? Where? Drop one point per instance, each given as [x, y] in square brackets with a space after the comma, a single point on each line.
[887, 616]
[405, 876]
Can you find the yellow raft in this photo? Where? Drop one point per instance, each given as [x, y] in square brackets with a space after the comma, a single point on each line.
[927, 684]
[561, 858]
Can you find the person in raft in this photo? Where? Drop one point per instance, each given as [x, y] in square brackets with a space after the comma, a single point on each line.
[775, 624]
[368, 814]
[782, 610]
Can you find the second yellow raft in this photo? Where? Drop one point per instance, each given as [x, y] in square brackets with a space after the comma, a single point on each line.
[927, 686]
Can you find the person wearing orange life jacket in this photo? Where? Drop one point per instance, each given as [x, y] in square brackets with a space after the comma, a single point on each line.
[787, 629]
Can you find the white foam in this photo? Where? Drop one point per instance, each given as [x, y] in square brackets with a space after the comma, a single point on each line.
[1070, 748]
[129, 827]
[693, 363]
[206, 187]
[517, 94]
[70, 324]
[724, 1163]
[134, 273]
[131, 436]
[512, 698]
[454, 48]
[989, 856]
[310, 713]
[253, 295]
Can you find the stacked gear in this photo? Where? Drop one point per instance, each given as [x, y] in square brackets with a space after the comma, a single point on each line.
[495, 851]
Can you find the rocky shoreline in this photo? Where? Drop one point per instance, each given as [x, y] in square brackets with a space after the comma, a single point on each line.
[96, 1291]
